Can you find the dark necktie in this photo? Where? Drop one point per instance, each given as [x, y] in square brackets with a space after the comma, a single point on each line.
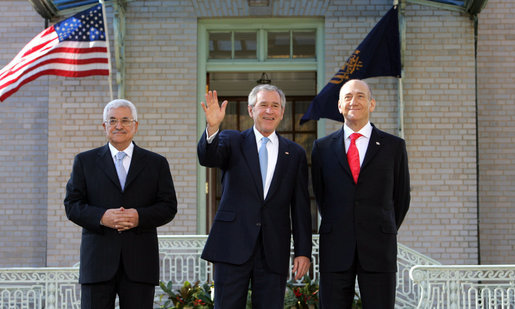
[353, 156]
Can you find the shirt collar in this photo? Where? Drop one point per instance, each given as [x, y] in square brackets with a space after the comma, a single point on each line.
[273, 137]
[366, 131]
[128, 151]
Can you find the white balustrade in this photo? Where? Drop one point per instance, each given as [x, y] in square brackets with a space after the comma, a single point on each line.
[465, 286]
[35, 288]
[57, 288]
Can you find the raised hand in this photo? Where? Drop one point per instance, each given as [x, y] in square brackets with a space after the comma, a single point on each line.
[215, 113]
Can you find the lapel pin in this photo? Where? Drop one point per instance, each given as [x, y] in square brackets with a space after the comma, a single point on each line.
[378, 143]
[286, 153]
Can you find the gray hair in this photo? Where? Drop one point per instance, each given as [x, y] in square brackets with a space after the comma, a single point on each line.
[120, 103]
[265, 87]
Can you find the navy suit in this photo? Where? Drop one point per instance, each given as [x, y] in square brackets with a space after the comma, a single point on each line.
[244, 217]
[360, 221]
[94, 187]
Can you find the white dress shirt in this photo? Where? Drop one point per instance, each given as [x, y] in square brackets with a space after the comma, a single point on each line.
[127, 159]
[361, 142]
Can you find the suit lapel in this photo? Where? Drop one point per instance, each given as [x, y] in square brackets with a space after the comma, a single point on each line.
[106, 164]
[249, 150]
[373, 147]
[138, 162]
[339, 151]
[281, 165]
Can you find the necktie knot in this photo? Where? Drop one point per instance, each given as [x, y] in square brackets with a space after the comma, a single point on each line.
[354, 137]
[119, 156]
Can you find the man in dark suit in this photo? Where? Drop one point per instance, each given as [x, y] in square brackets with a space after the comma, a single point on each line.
[119, 200]
[263, 203]
[362, 205]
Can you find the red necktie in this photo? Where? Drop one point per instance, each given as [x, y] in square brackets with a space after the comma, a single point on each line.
[353, 156]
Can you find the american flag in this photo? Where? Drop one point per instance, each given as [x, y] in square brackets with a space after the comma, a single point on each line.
[74, 47]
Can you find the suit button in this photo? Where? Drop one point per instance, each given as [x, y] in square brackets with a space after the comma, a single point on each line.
[258, 224]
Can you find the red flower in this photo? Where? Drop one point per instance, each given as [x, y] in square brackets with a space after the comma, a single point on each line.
[297, 292]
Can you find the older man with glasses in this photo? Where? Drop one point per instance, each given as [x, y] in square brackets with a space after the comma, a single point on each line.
[119, 194]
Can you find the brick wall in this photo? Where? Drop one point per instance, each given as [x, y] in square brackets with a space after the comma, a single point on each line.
[496, 115]
[23, 148]
[440, 132]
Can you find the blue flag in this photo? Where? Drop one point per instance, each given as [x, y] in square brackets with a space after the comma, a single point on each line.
[379, 54]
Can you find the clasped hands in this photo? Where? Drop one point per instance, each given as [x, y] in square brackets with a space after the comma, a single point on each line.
[120, 219]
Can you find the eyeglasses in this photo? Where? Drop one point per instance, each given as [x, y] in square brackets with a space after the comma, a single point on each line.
[125, 122]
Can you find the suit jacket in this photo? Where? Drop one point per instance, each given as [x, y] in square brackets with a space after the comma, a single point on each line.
[363, 216]
[244, 215]
[94, 187]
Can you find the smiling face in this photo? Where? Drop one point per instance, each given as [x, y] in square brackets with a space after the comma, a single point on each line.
[356, 104]
[120, 136]
[267, 112]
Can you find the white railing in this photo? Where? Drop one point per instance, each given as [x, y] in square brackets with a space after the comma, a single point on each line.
[465, 287]
[37, 288]
[407, 295]
[57, 288]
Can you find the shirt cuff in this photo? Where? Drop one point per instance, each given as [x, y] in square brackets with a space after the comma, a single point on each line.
[212, 137]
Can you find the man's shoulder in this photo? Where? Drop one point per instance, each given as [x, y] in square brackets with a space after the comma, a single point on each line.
[93, 152]
[290, 143]
[385, 135]
[148, 153]
[233, 133]
[328, 138]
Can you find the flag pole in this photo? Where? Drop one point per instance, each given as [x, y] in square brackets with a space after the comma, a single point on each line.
[108, 49]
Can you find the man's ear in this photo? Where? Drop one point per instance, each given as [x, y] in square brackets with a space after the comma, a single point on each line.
[372, 105]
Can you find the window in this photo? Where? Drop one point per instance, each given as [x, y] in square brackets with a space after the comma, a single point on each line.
[232, 45]
[278, 44]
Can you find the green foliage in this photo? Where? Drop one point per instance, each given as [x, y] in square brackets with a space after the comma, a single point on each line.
[306, 296]
[301, 297]
[192, 296]
[199, 297]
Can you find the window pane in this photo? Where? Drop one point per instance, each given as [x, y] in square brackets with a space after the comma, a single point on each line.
[279, 44]
[220, 45]
[304, 43]
[285, 124]
[245, 121]
[245, 45]
[300, 108]
[231, 116]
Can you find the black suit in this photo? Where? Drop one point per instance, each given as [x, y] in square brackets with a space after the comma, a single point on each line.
[360, 221]
[245, 219]
[94, 187]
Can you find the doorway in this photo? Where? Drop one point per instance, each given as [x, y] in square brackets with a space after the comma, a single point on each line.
[299, 88]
